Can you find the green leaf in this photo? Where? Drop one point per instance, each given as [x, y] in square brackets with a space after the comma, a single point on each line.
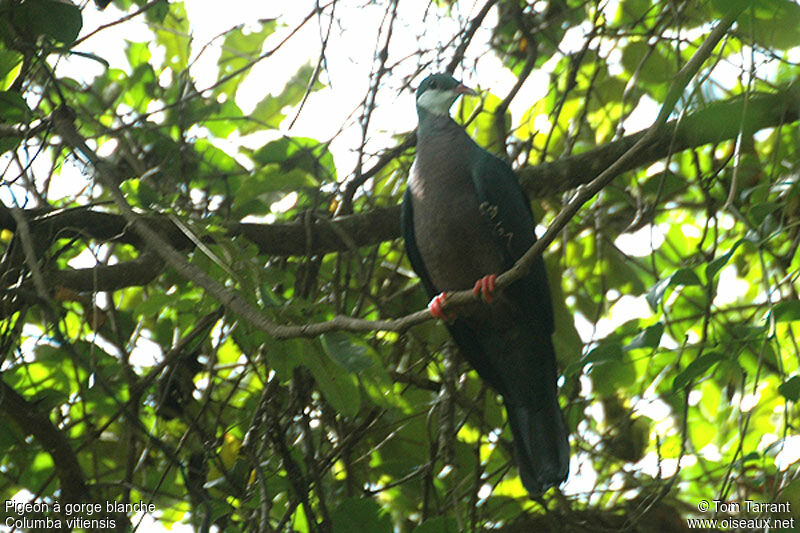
[361, 515]
[337, 385]
[240, 49]
[256, 192]
[216, 160]
[684, 276]
[790, 389]
[731, 6]
[773, 24]
[266, 114]
[282, 357]
[294, 162]
[648, 61]
[173, 34]
[269, 111]
[717, 264]
[696, 368]
[759, 212]
[664, 184]
[157, 13]
[300, 522]
[339, 346]
[786, 311]
[13, 109]
[10, 64]
[710, 398]
[613, 374]
[61, 21]
[605, 351]
[650, 337]
[9, 143]
[656, 293]
[140, 85]
[632, 11]
[224, 120]
[701, 432]
[137, 53]
[284, 149]
[154, 304]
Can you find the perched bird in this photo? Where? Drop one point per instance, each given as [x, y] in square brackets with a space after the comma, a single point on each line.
[466, 219]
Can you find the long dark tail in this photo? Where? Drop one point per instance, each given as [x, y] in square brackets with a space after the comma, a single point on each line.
[541, 444]
[520, 363]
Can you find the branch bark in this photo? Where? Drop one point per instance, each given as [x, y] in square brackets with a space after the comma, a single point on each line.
[600, 167]
[716, 123]
[65, 461]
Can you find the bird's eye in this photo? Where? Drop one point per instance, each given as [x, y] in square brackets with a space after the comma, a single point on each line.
[434, 84]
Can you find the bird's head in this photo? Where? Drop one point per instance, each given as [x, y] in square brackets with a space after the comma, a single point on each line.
[437, 93]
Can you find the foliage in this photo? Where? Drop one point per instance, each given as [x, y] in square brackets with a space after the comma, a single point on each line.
[131, 374]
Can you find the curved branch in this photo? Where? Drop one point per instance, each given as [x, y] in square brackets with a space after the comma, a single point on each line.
[644, 145]
[134, 273]
[31, 421]
[717, 122]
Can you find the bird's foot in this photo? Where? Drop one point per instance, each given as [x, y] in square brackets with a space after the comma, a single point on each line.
[435, 307]
[485, 287]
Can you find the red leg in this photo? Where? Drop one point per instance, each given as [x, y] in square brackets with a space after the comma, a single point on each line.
[485, 287]
[435, 307]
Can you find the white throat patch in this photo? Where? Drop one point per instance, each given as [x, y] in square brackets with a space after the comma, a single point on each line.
[437, 101]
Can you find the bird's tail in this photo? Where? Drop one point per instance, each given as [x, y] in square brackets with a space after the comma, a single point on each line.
[541, 444]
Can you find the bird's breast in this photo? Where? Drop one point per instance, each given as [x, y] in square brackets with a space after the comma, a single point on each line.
[454, 240]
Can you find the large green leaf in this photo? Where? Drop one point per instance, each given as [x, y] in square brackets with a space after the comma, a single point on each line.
[10, 63]
[360, 514]
[241, 47]
[59, 20]
[719, 262]
[786, 311]
[268, 113]
[760, 22]
[349, 353]
[684, 276]
[650, 337]
[650, 63]
[13, 109]
[339, 386]
[696, 369]
[300, 154]
[790, 389]
[174, 35]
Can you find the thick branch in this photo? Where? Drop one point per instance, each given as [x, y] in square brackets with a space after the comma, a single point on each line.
[720, 121]
[62, 120]
[135, 273]
[716, 123]
[30, 420]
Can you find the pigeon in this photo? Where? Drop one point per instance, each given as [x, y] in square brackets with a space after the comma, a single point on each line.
[466, 219]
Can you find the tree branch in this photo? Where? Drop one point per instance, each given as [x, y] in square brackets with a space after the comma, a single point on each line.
[648, 144]
[62, 120]
[717, 122]
[30, 420]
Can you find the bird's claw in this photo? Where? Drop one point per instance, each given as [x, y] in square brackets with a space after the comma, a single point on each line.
[485, 287]
[435, 307]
